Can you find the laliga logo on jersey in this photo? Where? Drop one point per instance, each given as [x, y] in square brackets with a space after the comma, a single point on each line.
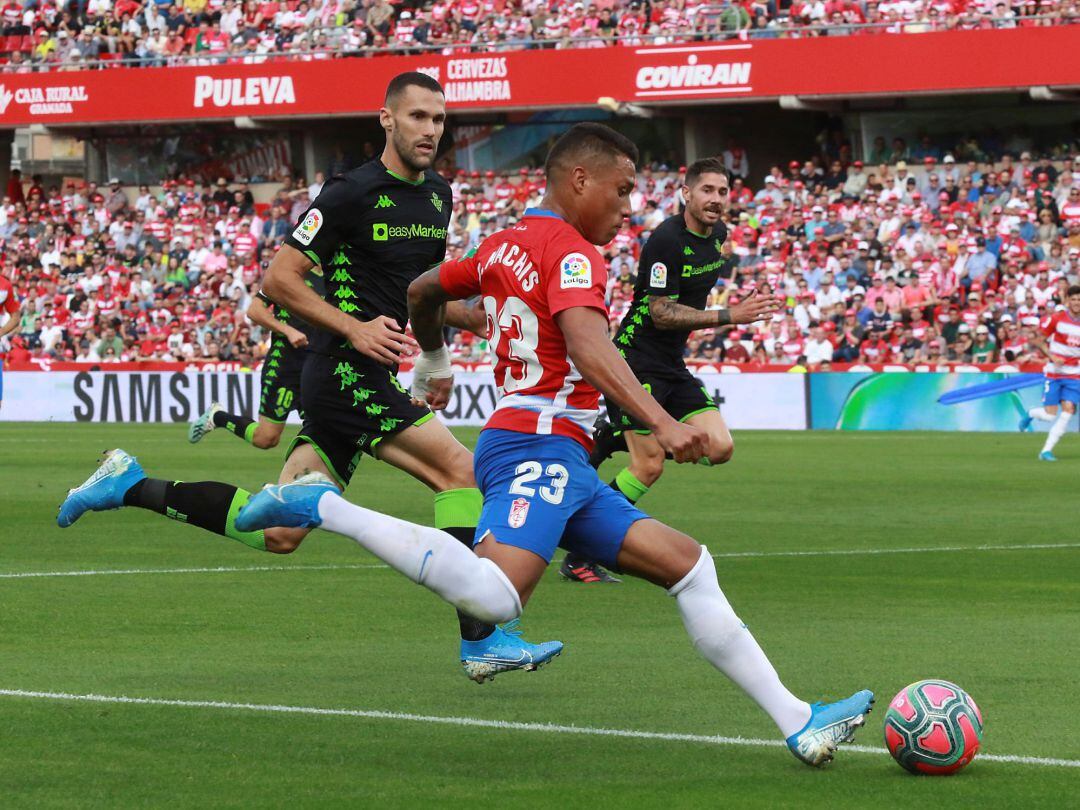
[694, 79]
[254, 92]
[307, 229]
[576, 271]
[658, 275]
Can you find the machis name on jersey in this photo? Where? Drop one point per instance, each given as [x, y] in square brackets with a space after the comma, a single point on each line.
[517, 259]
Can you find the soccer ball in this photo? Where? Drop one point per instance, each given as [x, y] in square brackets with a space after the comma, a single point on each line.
[933, 727]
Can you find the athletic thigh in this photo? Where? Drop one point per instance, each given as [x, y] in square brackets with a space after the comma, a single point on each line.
[658, 553]
[304, 458]
[430, 454]
[720, 442]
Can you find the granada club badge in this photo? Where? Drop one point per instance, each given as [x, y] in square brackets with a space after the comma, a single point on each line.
[519, 511]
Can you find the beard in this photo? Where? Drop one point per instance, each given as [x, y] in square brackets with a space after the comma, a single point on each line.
[410, 157]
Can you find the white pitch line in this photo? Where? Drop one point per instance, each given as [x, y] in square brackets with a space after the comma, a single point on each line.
[855, 552]
[218, 570]
[729, 555]
[477, 722]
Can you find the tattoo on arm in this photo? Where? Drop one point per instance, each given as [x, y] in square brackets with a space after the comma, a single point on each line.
[668, 314]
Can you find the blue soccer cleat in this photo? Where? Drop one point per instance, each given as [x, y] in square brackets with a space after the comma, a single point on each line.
[830, 725]
[105, 489]
[1046, 455]
[504, 651]
[204, 424]
[1025, 424]
[292, 505]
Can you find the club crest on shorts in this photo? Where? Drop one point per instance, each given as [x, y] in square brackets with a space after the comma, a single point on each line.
[307, 229]
[519, 511]
[658, 275]
[576, 271]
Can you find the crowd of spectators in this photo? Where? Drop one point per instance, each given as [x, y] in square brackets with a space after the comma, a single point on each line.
[945, 261]
[72, 33]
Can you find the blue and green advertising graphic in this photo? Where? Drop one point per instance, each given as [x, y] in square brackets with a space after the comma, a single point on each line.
[909, 401]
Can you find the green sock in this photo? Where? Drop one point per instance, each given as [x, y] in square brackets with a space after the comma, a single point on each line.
[457, 511]
[210, 505]
[234, 423]
[627, 484]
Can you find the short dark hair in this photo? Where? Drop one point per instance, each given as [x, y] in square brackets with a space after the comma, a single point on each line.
[586, 141]
[1074, 290]
[412, 78]
[708, 165]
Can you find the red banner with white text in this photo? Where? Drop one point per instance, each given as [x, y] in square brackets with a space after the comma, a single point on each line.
[868, 64]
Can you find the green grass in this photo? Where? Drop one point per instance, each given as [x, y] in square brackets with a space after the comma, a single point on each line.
[1004, 624]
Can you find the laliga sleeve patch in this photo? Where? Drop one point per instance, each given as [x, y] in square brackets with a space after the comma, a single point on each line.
[575, 272]
[307, 229]
[658, 275]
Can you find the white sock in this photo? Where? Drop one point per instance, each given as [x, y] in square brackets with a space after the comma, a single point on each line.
[1041, 414]
[1057, 430]
[720, 636]
[427, 556]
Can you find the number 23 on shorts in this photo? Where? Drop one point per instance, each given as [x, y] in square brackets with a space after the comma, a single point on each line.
[528, 472]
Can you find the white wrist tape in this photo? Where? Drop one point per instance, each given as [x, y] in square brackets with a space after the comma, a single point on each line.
[433, 365]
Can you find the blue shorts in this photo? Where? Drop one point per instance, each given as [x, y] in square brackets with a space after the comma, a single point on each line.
[1056, 391]
[541, 492]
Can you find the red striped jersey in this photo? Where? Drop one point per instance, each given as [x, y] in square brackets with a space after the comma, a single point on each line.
[527, 274]
[1063, 331]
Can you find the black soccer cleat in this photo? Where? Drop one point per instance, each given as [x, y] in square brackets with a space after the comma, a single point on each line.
[607, 440]
[576, 569]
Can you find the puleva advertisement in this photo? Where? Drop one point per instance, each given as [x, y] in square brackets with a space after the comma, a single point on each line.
[899, 401]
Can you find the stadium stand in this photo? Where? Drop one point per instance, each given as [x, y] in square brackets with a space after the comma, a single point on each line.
[109, 33]
[918, 258]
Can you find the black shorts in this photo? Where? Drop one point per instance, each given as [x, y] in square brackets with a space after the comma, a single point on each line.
[678, 391]
[280, 386]
[349, 407]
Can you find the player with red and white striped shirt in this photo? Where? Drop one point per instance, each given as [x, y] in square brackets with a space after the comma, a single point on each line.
[1059, 340]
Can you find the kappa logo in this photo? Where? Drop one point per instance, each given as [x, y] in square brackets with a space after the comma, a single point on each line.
[688, 251]
[519, 513]
[305, 232]
[5, 98]
[576, 271]
[658, 275]
[384, 202]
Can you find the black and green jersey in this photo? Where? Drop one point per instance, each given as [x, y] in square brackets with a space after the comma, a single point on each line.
[373, 232]
[675, 263]
[313, 279]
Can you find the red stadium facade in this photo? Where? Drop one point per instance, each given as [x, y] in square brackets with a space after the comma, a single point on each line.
[816, 68]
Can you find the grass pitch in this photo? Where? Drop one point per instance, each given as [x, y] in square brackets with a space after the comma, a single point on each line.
[318, 631]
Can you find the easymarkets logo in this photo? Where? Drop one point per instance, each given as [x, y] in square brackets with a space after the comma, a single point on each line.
[382, 232]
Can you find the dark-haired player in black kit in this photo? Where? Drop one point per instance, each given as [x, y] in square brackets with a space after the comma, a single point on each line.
[373, 231]
[678, 269]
